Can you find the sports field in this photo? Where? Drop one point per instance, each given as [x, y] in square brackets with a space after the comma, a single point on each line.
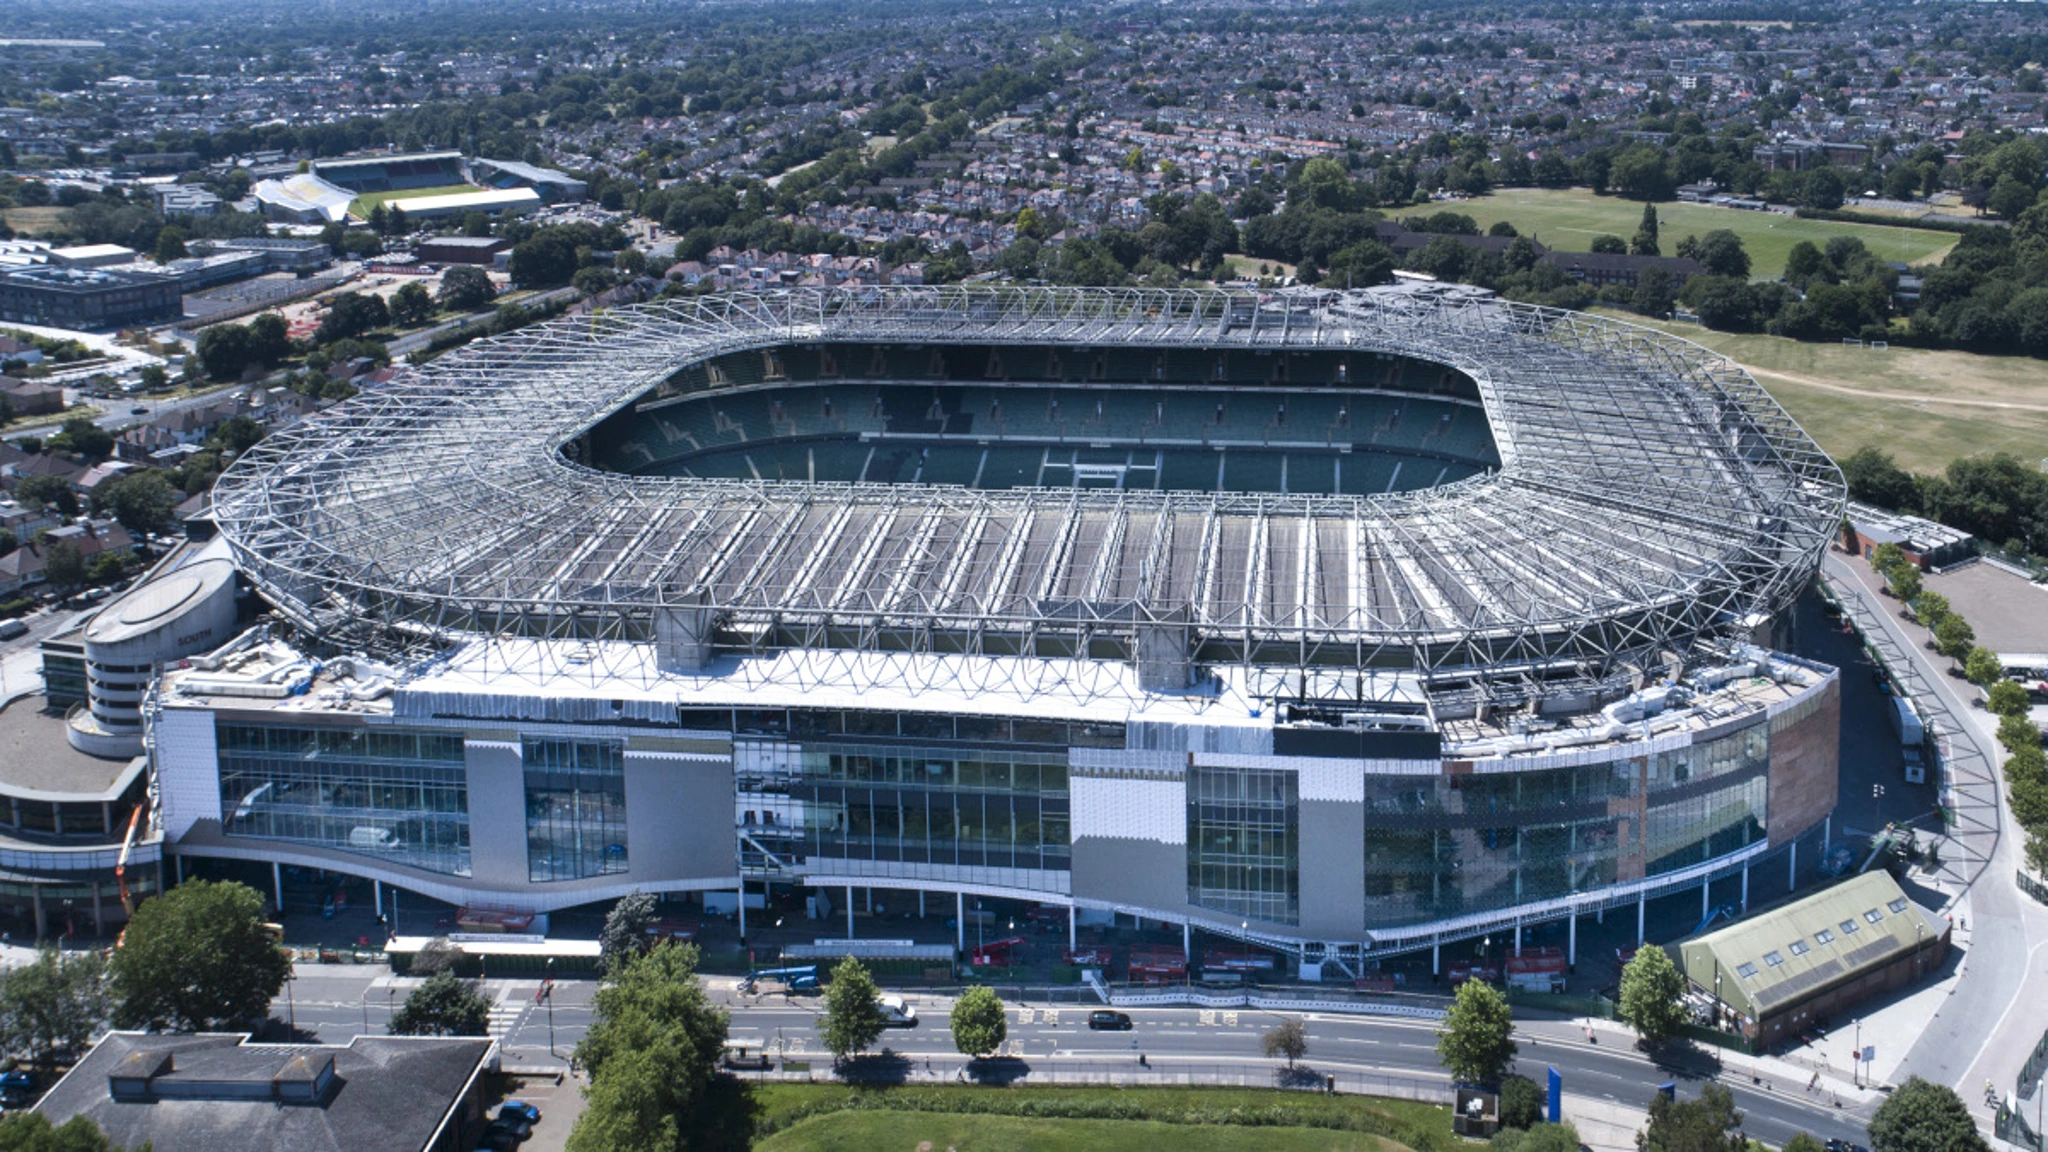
[35, 221]
[1924, 407]
[1569, 218]
[369, 200]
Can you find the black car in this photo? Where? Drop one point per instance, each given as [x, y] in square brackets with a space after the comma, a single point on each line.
[1845, 1146]
[1109, 1021]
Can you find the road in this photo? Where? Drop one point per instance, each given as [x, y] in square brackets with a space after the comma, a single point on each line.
[1368, 1053]
[1977, 1035]
[414, 341]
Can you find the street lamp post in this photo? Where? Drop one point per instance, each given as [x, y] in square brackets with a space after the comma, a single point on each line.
[291, 1006]
[1856, 1057]
[549, 986]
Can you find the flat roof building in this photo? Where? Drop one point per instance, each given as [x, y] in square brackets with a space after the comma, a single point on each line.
[88, 298]
[222, 1092]
[554, 187]
[519, 200]
[1925, 542]
[1781, 972]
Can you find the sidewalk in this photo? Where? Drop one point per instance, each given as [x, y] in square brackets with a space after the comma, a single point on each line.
[1603, 1125]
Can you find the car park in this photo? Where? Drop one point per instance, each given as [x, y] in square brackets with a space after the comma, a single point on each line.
[1107, 1021]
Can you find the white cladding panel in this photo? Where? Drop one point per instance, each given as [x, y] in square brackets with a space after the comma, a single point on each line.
[1114, 808]
[187, 769]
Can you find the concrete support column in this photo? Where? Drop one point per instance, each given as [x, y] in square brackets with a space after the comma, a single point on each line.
[960, 921]
[276, 883]
[1436, 958]
[1706, 897]
[1187, 941]
[1571, 939]
[920, 903]
[178, 865]
[870, 894]
[377, 895]
[1745, 888]
[1071, 938]
[743, 907]
[35, 892]
[1792, 868]
[99, 921]
[849, 911]
[1518, 938]
[1642, 901]
[1827, 835]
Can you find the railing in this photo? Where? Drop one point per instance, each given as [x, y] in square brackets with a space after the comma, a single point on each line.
[888, 1068]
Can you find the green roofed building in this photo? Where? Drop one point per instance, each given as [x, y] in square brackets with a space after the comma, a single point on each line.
[1780, 972]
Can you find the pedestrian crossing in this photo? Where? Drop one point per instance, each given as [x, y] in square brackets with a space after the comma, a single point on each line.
[507, 1010]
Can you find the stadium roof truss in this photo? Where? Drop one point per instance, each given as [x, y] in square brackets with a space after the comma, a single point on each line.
[1649, 493]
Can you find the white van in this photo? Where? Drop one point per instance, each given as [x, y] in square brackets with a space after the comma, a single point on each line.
[898, 1014]
[379, 839]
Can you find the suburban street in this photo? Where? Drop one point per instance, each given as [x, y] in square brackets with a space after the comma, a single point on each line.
[1369, 1053]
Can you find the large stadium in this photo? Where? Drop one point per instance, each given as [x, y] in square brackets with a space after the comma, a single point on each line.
[1345, 623]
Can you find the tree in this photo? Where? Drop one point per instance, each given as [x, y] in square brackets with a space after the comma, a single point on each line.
[1543, 1137]
[154, 378]
[1521, 1102]
[652, 1054]
[269, 340]
[143, 501]
[92, 442]
[64, 565]
[1645, 242]
[53, 1004]
[48, 492]
[1652, 994]
[1885, 557]
[2008, 198]
[434, 957]
[545, 259]
[170, 245]
[1929, 608]
[1803, 1142]
[625, 927]
[1475, 1042]
[1288, 1039]
[1905, 582]
[224, 350]
[33, 1132]
[1954, 637]
[1707, 1124]
[350, 314]
[443, 1006]
[979, 1023]
[853, 1010]
[1720, 252]
[1981, 667]
[466, 288]
[197, 959]
[411, 305]
[1653, 294]
[1610, 245]
[2009, 701]
[1923, 1117]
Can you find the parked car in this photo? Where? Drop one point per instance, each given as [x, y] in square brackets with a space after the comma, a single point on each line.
[17, 1089]
[518, 1110]
[898, 1014]
[1107, 1021]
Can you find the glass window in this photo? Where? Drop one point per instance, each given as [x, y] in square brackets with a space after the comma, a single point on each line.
[1824, 937]
[1873, 915]
[575, 808]
[1773, 959]
[1746, 971]
[1798, 947]
[1848, 927]
[1897, 906]
[1244, 850]
[394, 794]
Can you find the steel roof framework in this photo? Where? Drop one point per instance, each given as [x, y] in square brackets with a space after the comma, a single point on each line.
[1650, 493]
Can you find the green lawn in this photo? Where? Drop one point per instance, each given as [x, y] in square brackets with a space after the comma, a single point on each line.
[1569, 218]
[890, 1131]
[1924, 407]
[829, 1115]
[369, 200]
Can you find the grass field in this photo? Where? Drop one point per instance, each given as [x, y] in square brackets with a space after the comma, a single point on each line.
[369, 200]
[34, 221]
[834, 1116]
[1924, 407]
[1569, 218]
[876, 1131]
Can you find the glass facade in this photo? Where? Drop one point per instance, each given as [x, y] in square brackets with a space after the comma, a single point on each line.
[394, 794]
[1244, 842]
[1443, 846]
[1707, 800]
[575, 808]
[983, 807]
